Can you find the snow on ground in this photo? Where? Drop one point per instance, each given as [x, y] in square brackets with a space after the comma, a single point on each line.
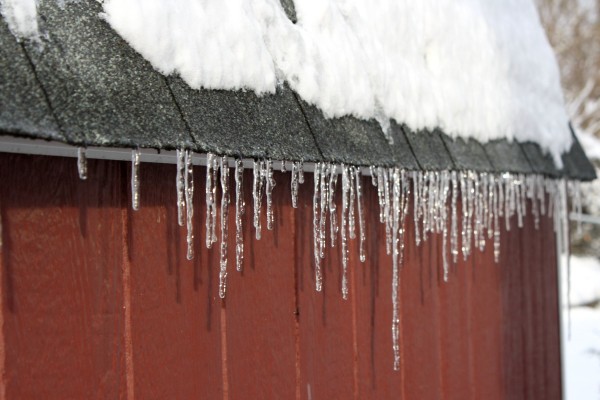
[475, 68]
[582, 351]
[582, 355]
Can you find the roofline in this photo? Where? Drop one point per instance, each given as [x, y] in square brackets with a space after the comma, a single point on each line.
[30, 146]
[18, 145]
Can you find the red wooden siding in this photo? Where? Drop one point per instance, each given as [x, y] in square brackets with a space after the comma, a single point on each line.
[99, 301]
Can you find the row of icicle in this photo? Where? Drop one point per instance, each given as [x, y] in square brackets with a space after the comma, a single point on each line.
[488, 200]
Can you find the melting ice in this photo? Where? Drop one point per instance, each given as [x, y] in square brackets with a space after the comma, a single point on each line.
[465, 208]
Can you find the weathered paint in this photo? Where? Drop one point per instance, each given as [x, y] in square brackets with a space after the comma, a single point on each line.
[99, 301]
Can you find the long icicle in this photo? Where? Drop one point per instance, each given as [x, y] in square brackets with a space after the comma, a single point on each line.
[444, 179]
[454, 223]
[135, 179]
[344, 229]
[224, 225]
[333, 225]
[269, 185]
[180, 185]
[210, 200]
[316, 227]
[351, 199]
[240, 208]
[294, 184]
[498, 198]
[361, 215]
[416, 178]
[395, 211]
[189, 202]
[257, 185]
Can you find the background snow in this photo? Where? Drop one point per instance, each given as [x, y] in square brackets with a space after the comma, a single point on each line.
[582, 355]
[475, 68]
[585, 281]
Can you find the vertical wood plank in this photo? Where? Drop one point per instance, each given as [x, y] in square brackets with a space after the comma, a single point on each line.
[261, 303]
[62, 297]
[551, 304]
[326, 337]
[486, 320]
[175, 306]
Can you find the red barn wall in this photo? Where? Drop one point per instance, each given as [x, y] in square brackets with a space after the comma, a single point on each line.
[99, 301]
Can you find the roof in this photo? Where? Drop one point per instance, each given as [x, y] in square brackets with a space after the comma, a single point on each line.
[85, 86]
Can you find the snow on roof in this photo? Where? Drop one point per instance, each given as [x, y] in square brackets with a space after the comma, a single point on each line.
[21, 17]
[474, 68]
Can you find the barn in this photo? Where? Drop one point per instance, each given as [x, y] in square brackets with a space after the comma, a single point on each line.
[160, 240]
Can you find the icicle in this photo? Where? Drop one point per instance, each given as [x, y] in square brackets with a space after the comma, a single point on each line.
[82, 163]
[518, 185]
[551, 190]
[135, 179]
[325, 171]
[477, 211]
[445, 184]
[380, 195]
[491, 198]
[464, 207]
[188, 184]
[427, 203]
[468, 204]
[223, 165]
[541, 192]
[180, 185]
[240, 208]
[346, 184]
[211, 206]
[575, 194]
[352, 196]
[483, 209]
[361, 216]
[498, 199]
[374, 175]
[269, 185]
[301, 172]
[523, 194]
[561, 219]
[509, 193]
[294, 184]
[283, 167]
[454, 226]
[387, 210]
[257, 186]
[395, 268]
[333, 228]
[531, 188]
[316, 227]
[416, 178]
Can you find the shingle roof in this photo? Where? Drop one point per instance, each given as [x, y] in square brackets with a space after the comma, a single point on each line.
[86, 86]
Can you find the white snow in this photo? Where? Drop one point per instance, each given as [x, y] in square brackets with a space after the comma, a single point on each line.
[476, 68]
[582, 355]
[581, 361]
[585, 280]
[21, 17]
